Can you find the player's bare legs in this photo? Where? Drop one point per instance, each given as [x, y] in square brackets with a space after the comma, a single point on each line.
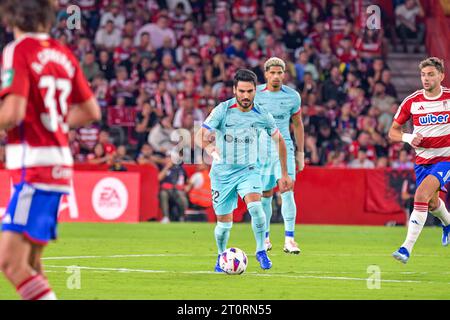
[254, 206]
[14, 254]
[35, 258]
[425, 193]
[438, 209]
[15, 263]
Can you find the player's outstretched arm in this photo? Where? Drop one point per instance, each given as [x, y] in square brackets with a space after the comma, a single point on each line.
[84, 113]
[397, 135]
[12, 111]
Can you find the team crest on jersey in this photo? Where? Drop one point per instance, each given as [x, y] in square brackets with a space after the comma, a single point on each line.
[7, 78]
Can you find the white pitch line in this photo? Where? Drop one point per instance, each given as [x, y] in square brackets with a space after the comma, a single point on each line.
[210, 255]
[248, 273]
[120, 256]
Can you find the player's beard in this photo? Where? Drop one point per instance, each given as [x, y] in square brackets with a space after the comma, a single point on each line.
[276, 84]
[430, 88]
[245, 103]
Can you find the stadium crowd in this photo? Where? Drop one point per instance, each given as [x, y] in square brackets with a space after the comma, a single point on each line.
[156, 66]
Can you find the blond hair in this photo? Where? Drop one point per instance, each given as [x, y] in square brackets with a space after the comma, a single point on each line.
[274, 62]
[432, 62]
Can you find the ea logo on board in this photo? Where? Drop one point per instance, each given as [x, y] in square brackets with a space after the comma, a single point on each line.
[110, 198]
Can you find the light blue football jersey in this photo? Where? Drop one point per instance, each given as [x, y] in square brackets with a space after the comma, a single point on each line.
[282, 105]
[238, 135]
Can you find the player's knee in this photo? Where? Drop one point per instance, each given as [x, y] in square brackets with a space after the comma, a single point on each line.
[422, 196]
[255, 209]
[434, 204]
[8, 265]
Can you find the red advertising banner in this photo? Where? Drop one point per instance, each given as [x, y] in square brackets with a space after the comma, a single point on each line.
[102, 197]
[95, 197]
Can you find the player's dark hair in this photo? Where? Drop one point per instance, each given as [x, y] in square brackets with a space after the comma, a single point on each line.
[245, 75]
[29, 15]
[432, 62]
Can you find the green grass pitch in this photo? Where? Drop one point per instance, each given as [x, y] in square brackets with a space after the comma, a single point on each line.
[175, 261]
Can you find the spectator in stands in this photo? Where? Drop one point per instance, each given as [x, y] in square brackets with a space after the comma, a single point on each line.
[408, 23]
[333, 87]
[147, 156]
[336, 159]
[99, 156]
[187, 108]
[381, 99]
[108, 37]
[172, 197]
[113, 13]
[198, 188]
[123, 86]
[403, 162]
[146, 119]
[105, 140]
[90, 66]
[106, 65]
[245, 11]
[167, 48]
[361, 161]
[303, 65]
[390, 89]
[158, 32]
[121, 155]
[363, 141]
[160, 136]
[75, 146]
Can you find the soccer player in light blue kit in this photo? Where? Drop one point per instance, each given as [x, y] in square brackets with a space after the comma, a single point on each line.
[238, 124]
[284, 104]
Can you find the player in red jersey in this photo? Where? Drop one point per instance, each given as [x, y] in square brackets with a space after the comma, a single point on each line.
[43, 93]
[429, 109]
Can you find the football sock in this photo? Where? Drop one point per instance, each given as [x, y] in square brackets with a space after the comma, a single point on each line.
[258, 223]
[289, 212]
[267, 207]
[222, 234]
[416, 223]
[442, 213]
[35, 287]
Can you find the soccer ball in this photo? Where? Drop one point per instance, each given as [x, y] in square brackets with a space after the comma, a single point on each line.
[233, 261]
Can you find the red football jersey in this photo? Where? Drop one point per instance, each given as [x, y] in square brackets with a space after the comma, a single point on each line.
[46, 73]
[431, 118]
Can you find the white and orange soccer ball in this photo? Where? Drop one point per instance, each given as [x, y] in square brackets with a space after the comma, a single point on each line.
[233, 261]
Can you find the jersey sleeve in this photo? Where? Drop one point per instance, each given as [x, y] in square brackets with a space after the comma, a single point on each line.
[297, 104]
[403, 113]
[81, 92]
[214, 120]
[15, 72]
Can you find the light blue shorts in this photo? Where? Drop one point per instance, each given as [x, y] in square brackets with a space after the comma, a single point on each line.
[225, 189]
[271, 171]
